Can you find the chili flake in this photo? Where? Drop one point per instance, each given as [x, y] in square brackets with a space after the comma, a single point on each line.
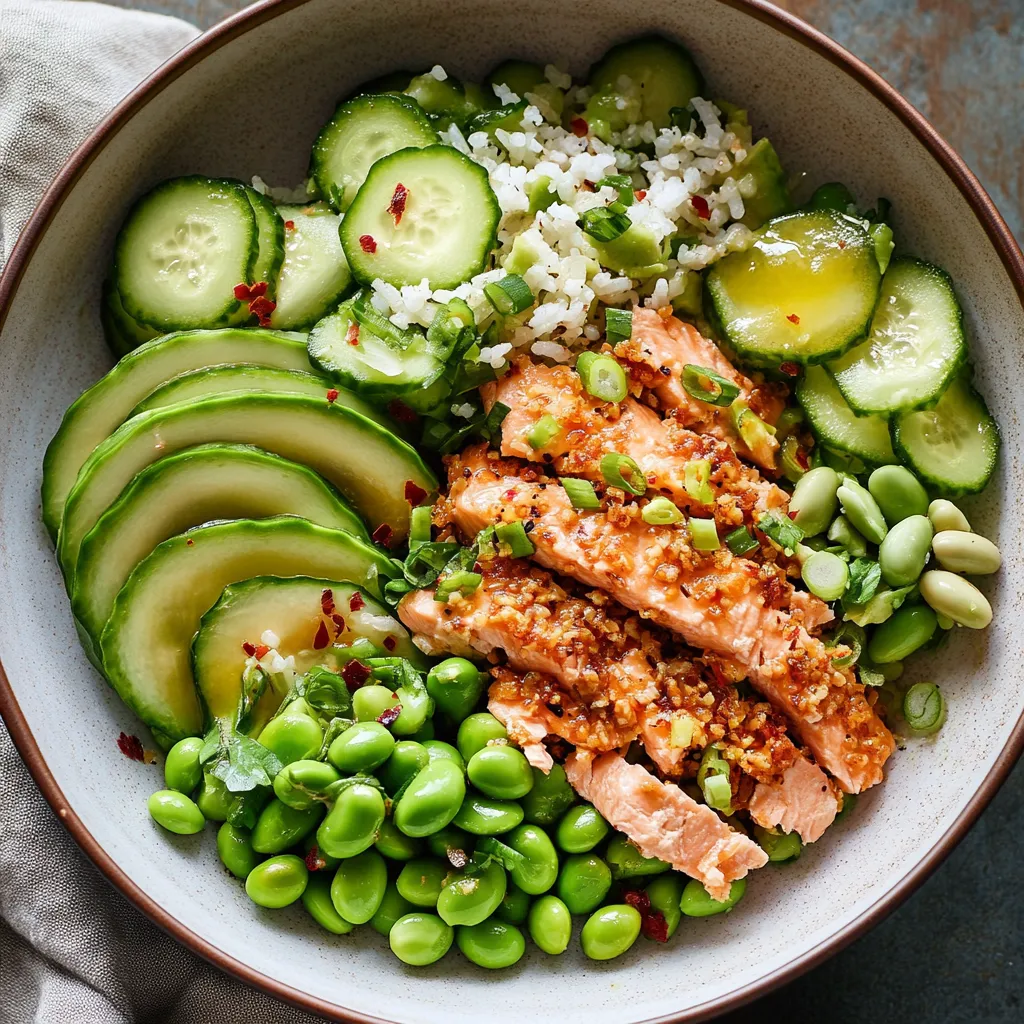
[397, 205]
[382, 535]
[700, 206]
[654, 926]
[314, 861]
[261, 308]
[352, 336]
[190, 543]
[579, 127]
[247, 292]
[793, 318]
[390, 643]
[355, 602]
[402, 412]
[249, 649]
[322, 637]
[414, 494]
[641, 194]
[355, 673]
[367, 243]
[390, 716]
[289, 225]
[327, 602]
[339, 624]
[332, 396]
[131, 747]
[790, 369]
[262, 651]
[638, 899]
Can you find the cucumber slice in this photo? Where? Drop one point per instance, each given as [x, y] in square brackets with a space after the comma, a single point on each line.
[99, 411]
[446, 231]
[292, 609]
[182, 250]
[362, 131]
[146, 643]
[366, 363]
[836, 425]
[189, 488]
[270, 229]
[368, 464]
[915, 347]
[315, 274]
[803, 292]
[762, 183]
[954, 446]
[122, 332]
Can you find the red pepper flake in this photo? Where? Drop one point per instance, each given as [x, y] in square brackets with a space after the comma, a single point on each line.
[190, 543]
[313, 859]
[397, 205]
[247, 292]
[402, 412]
[654, 926]
[793, 318]
[641, 194]
[327, 602]
[352, 337]
[510, 494]
[390, 643]
[289, 225]
[261, 308]
[367, 243]
[579, 127]
[382, 535]
[262, 651]
[355, 673]
[793, 513]
[131, 747]
[414, 494]
[842, 244]
[355, 602]
[803, 458]
[332, 396]
[790, 369]
[389, 717]
[700, 206]
[249, 649]
[638, 899]
[339, 625]
[322, 638]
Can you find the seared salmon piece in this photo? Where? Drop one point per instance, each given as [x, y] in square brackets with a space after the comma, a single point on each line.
[714, 600]
[663, 821]
[527, 727]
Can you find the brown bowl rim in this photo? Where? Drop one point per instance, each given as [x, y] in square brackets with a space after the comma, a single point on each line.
[992, 223]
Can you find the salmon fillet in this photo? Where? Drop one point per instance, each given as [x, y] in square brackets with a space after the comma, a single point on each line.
[663, 821]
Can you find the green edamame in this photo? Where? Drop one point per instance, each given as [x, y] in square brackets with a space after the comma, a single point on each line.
[501, 772]
[665, 892]
[361, 748]
[944, 515]
[814, 503]
[626, 861]
[961, 552]
[182, 770]
[491, 944]
[898, 492]
[370, 702]
[280, 826]
[417, 707]
[583, 882]
[909, 628]
[904, 551]
[456, 686]
[292, 736]
[485, 817]
[956, 598]
[550, 797]
[843, 534]
[235, 850]
[861, 509]
[425, 732]
[581, 829]
[421, 880]
[431, 800]
[610, 932]
[406, 760]
[550, 925]
[214, 800]
[477, 731]
[353, 823]
[451, 844]
[392, 907]
[278, 881]
[301, 784]
[438, 750]
[470, 899]
[780, 846]
[394, 844]
[514, 907]
[358, 886]
[176, 812]
[697, 902]
[420, 939]
[539, 870]
[316, 898]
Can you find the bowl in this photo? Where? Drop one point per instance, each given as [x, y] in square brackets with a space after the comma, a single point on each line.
[247, 98]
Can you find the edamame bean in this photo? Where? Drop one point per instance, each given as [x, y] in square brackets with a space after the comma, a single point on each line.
[665, 892]
[420, 939]
[843, 534]
[280, 826]
[235, 850]
[514, 907]
[814, 503]
[898, 492]
[431, 800]
[316, 898]
[470, 899]
[394, 844]
[550, 797]
[182, 770]
[277, 882]
[583, 882]
[961, 552]
[456, 686]
[955, 597]
[452, 845]
[581, 829]
[420, 881]
[477, 731]
[425, 732]
[417, 707]
[904, 551]
[539, 870]
[392, 907]
[353, 823]
[500, 772]
[370, 702]
[946, 516]
[610, 931]
[301, 784]
[909, 628]
[292, 737]
[825, 574]
[358, 886]
[175, 812]
[626, 861]
[361, 748]
[484, 817]
[214, 800]
[405, 762]
[697, 902]
[491, 944]
[438, 750]
[550, 925]
[780, 846]
[924, 708]
[862, 510]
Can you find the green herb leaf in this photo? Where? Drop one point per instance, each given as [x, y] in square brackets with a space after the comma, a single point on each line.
[327, 692]
[865, 575]
[780, 528]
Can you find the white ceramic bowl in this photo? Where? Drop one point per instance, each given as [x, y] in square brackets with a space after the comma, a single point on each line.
[248, 98]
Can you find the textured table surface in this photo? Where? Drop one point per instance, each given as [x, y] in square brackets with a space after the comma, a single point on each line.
[954, 953]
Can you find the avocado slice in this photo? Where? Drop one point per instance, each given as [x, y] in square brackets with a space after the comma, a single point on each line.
[368, 464]
[100, 410]
[145, 645]
[761, 173]
[192, 487]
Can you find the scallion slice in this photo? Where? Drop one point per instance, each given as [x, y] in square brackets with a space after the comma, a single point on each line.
[581, 493]
[602, 376]
[753, 430]
[713, 779]
[509, 295]
[697, 481]
[924, 708]
[825, 575]
[544, 431]
[705, 385]
[780, 528]
[622, 183]
[704, 534]
[741, 541]
[618, 325]
[849, 635]
[681, 733]
[605, 223]
[367, 315]
[419, 526]
[512, 538]
[463, 581]
[621, 471]
[661, 512]
[793, 460]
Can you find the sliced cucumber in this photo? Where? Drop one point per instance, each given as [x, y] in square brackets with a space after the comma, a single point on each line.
[146, 643]
[360, 360]
[447, 228]
[915, 346]
[445, 102]
[99, 411]
[189, 488]
[293, 610]
[955, 445]
[315, 274]
[836, 425]
[362, 131]
[182, 250]
[762, 183]
[270, 229]
[368, 464]
[122, 332]
[803, 292]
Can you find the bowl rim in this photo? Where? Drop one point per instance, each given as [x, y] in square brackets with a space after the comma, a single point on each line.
[257, 14]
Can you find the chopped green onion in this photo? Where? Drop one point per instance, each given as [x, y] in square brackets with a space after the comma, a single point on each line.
[661, 512]
[753, 430]
[419, 526]
[618, 325]
[825, 575]
[544, 431]
[621, 471]
[697, 481]
[463, 581]
[452, 330]
[602, 377]
[707, 386]
[623, 183]
[485, 544]
[581, 493]
[509, 295]
[681, 734]
[713, 779]
[924, 708]
[741, 541]
[793, 461]
[494, 419]
[704, 534]
[367, 315]
[604, 224]
[849, 635]
[777, 526]
[512, 536]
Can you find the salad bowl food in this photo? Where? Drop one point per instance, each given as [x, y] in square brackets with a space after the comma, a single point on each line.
[541, 508]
